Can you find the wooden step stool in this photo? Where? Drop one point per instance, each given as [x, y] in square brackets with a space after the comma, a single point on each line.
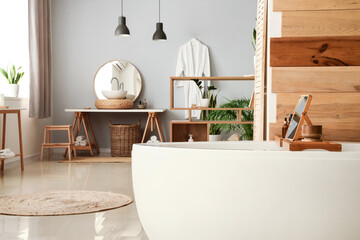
[70, 146]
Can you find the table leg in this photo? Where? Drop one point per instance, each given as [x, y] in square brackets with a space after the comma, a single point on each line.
[20, 141]
[92, 133]
[42, 146]
[160, 127]
[146, 128]
[3, 139]
[87, 135]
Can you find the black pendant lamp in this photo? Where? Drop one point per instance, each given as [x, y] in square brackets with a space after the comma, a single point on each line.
[159, 34]
[122, 29]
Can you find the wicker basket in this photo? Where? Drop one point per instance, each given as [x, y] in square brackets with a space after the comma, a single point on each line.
[114, 104]
[123, 136]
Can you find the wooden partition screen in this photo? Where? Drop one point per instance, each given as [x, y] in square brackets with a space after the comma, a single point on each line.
[319, 54]
[260, 72]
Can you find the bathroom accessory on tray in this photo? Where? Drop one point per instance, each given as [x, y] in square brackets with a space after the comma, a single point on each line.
[117, 84]
[292, 140]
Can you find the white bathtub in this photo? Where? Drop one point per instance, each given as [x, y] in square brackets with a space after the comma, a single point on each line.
[246, 191]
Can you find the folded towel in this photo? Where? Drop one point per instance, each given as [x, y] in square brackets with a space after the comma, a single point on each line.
[77, 143]
[153, 139]
[80, 138]
[6, 150]
[7, 155]
[83, 142]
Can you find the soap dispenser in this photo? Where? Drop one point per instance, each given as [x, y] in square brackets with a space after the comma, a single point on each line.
[190, 138]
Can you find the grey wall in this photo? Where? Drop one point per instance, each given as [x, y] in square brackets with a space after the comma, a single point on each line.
[83, 39]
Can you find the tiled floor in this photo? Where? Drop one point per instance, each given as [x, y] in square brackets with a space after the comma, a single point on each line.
[122, 223]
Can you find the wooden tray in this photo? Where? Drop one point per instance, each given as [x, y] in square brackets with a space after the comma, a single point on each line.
[279, 140]
[300, 145]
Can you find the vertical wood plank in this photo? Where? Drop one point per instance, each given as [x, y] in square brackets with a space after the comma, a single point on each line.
[260, 71]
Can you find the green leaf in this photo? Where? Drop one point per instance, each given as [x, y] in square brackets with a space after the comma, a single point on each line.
[4, 73]
[18, 77]
[12, 74]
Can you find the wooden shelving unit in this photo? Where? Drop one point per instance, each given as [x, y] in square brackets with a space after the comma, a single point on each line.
[180, 130]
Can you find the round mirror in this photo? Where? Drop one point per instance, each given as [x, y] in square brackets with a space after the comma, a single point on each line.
[117, 79]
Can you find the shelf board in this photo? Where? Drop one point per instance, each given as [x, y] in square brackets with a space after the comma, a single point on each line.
[246, 78]
[203, 108]
[16, 155]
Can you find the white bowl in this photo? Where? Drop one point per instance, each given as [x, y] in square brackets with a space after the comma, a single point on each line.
[114, 94]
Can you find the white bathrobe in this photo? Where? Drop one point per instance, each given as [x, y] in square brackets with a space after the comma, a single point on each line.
[193, 61]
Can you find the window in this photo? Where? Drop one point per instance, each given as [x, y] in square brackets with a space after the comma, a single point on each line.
[14, 41]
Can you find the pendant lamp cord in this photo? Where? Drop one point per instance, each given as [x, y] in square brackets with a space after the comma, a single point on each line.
[159, 10]
[122, 8]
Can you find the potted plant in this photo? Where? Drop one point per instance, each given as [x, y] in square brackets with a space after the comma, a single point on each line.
[13, 77]
[245, 131]
[215, 132]
[204, 101]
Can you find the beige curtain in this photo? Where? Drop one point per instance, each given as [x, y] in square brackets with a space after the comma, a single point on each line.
[40, 58]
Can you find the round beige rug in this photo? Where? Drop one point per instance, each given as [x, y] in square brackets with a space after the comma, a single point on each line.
[57, 203]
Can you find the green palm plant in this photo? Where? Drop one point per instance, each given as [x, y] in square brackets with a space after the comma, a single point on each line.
[12, 75]
[245, 131]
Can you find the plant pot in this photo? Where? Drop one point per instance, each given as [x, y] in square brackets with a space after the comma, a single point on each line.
[215, 138]
[12, 90]
[204, 102]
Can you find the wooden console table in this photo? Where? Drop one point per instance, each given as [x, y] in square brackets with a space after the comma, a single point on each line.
[82, 118]
[5, 111]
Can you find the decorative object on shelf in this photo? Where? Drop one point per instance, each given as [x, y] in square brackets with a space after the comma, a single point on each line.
[159, 34]
[234, 137]
[299, 116]
[114, 104]
[311, 133]
[13, 77]
[205, 102]
[292, 141]
[117, 80]
[214, 133]
[140, 105]
[122, 29]
[190, 138]
[245, 131]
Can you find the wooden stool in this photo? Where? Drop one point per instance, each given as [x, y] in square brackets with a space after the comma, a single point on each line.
[70, 146]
